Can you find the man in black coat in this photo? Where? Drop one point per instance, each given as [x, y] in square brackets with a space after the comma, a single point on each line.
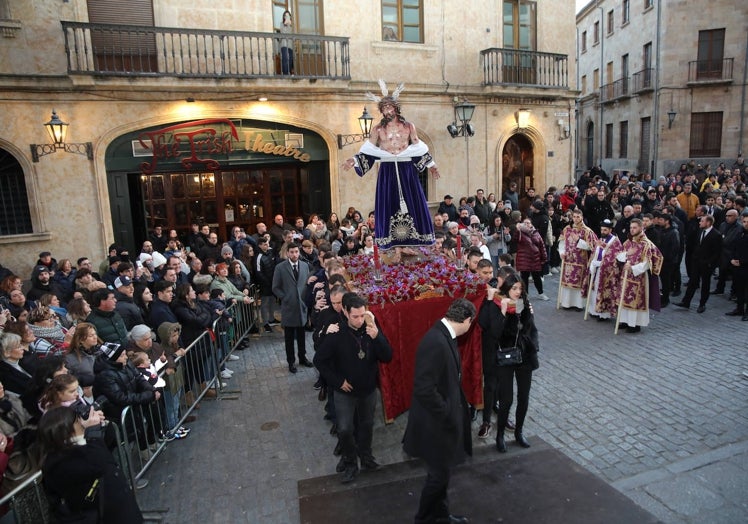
[739, 261]
[438, 429]
[670, 249]
[730, 230]
[705, 257]
[447, 206]
[349, 361]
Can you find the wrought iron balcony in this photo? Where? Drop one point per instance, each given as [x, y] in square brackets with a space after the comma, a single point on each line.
[126, 50]
[615, 90]
[527, 68]
[644, 80]
[710, 71]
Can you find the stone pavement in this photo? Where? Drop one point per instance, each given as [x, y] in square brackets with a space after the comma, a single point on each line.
[661, 415]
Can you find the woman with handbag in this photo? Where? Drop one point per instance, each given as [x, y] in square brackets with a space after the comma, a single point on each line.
[507, 321]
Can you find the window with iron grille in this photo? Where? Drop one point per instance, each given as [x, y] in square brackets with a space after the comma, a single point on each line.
[15, 217]
[706, 134]
[402, 20]
[623, 144]
[608, 140]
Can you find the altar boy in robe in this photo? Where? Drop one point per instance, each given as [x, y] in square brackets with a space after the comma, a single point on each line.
[639, 256]
[576, 243]
[605, 273]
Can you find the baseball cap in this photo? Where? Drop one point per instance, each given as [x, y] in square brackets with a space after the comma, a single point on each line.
[39, 269]
[122, 281]
[447, 197]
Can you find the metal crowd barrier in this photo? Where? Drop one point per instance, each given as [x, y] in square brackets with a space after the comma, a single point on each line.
[26, 503]
[197, 377]
[140, 432]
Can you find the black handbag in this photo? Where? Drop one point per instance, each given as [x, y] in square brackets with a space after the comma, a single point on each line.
[509, 356]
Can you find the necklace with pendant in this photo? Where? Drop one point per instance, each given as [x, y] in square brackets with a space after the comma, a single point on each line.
[359, 342]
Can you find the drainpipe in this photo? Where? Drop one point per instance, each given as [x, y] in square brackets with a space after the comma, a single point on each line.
[742, 100]
[601, 30]
[656, 98]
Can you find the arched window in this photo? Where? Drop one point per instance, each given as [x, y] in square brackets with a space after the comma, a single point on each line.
[15, 217]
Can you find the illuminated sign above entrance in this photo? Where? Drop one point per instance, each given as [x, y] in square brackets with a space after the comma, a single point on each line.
[195, 144]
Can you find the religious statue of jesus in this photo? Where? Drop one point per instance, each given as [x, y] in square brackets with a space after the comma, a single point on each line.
[402, 216]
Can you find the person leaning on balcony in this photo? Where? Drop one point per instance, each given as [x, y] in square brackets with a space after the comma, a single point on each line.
[286, 28]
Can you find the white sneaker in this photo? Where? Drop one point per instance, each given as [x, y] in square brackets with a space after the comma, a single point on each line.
[543, 297]
[226, 374]
[234, 358]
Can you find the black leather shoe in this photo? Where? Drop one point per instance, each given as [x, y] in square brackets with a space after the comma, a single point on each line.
[305, 362]
[292, 368]
[452, 519]
[349, 474]
[734, 313]
[681, 304]
[633, 329]
[500, 444]
[510, 425]
[701, 309]
[369, 464]
[340, 468]
[745, 318]
[521, 440]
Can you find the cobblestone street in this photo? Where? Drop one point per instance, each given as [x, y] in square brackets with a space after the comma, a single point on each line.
[662, 415]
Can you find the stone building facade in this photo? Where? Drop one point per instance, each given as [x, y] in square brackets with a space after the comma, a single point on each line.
[193, 113]
[661, 83]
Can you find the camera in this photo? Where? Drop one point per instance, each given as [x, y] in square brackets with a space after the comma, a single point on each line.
[83, 408]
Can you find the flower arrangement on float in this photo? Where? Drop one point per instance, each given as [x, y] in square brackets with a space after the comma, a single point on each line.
[426, 276]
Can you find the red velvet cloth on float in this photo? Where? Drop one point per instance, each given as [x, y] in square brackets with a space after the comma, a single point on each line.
[415, 290]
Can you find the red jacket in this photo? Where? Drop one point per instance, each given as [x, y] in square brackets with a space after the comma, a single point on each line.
[531, 254]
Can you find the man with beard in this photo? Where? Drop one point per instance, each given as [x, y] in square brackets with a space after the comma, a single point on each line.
[41, 284]
[402, 214]
[704, 258]
[577, 241]
[596, 210]
[730, 230]
[605, 274]
[639, 256]
[670, 249]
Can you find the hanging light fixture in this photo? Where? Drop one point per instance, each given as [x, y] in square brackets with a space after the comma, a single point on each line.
[364, 122]
[57, 130]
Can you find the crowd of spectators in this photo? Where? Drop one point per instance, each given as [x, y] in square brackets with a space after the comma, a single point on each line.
[110, 327]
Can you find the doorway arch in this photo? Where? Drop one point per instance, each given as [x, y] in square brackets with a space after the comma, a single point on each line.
[518, 165]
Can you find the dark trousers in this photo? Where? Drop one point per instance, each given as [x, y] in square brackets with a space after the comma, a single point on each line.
[667, 274]
[291, 333]
[725, 270]
[287, 60]
[434, 503]
[740, 283]
[507, 374]
[358, 442]
[537, 278]
[701, 274]
[490, 395]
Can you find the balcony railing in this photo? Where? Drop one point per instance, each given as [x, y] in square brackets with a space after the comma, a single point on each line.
[527, 68]
[126, 50]
[710, 70]
[615, 90]
[644, 80]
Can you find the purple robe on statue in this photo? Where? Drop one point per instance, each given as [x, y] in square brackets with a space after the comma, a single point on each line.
[401, 214]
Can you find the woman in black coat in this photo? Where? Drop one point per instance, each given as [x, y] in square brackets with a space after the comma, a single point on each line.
[507, 320]
[81, 478]
[195, 317]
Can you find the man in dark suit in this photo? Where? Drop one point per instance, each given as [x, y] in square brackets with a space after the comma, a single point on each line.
[289, 282]
[704, 258]
[438, 429]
